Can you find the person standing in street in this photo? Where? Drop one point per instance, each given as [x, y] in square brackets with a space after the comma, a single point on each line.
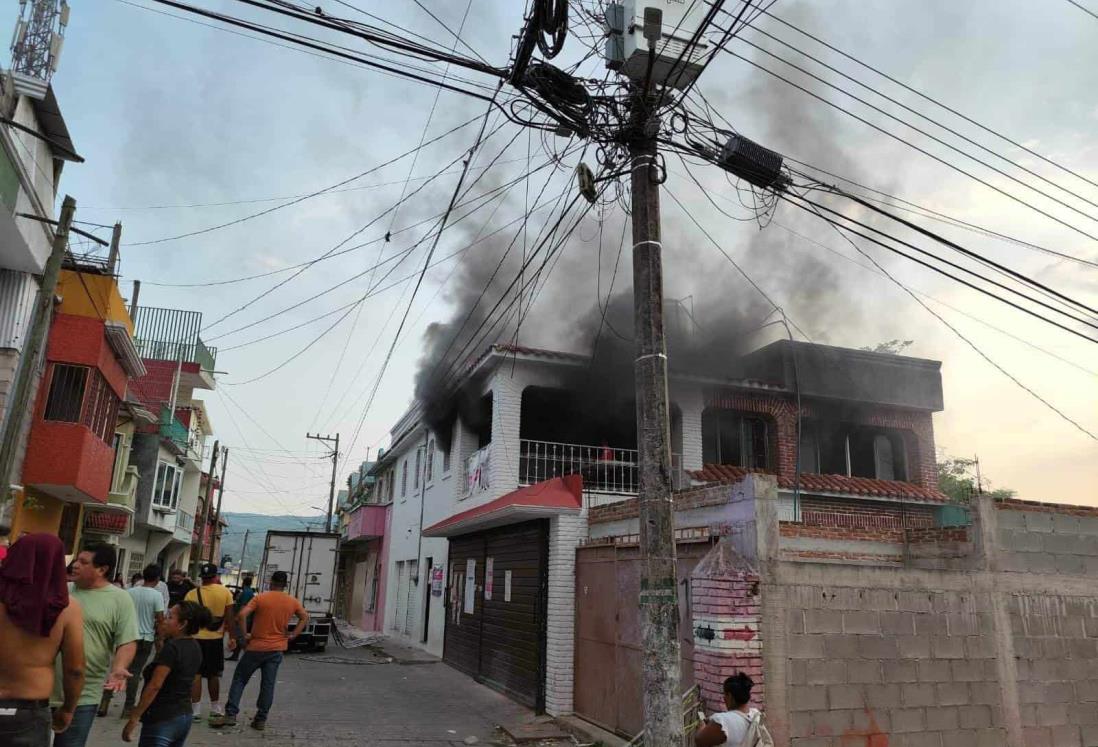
[270, 637]
[211, 639]
[178, 587]
[164, 710]
[240, 601]
[37, 620]
[149, 604]
[110, 638]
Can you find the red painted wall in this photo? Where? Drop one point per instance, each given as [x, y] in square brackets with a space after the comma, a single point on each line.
[68, 454]
[81, 340]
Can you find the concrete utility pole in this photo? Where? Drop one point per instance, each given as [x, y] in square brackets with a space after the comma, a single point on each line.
[112, 258]
[217, 515]
[332, 484]
[197, 557]
[32, 351]
[244, 549]
[659, 603]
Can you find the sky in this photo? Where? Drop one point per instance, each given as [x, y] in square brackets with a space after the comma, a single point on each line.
[186, 127]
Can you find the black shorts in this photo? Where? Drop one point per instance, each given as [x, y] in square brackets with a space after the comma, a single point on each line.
[213, 657]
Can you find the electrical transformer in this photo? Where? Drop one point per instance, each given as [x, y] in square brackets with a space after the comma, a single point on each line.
[678, 58]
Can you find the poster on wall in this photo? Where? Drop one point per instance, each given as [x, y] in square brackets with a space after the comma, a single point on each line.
[436, 581]
[507, 586]
[489, 566]
[470, 586]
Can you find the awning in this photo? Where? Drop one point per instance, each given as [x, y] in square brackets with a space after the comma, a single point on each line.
[561, 495]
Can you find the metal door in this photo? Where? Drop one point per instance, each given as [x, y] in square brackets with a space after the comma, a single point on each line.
[608, 659]
[495, 629]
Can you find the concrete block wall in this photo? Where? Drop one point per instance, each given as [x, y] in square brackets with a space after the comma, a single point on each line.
[565, 535]
[1044, 538]
[1055, 641]
[881, 666]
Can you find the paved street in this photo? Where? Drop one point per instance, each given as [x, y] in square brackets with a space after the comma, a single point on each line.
[359, 697]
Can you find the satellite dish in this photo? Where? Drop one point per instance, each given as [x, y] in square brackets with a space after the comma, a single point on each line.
[585, 180]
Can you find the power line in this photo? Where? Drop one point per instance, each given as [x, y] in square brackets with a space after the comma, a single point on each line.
[918, 148]
[957, 332]
[816, 207]
[298, 200]
[917, 113]
[934, 101]
[1088, 11]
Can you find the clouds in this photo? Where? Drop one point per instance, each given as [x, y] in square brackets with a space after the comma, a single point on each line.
[171, 112]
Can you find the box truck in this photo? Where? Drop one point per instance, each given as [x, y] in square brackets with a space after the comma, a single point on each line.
[309, 559]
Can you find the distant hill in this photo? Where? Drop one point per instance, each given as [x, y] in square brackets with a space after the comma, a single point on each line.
[233, 538]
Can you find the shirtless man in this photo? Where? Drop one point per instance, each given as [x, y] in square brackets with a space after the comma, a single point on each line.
[37, 619]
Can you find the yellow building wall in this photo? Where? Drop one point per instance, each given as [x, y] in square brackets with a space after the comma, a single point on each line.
[96, 297]
[34, 515]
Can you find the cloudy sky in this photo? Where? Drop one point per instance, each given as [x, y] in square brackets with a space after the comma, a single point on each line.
[186, 127]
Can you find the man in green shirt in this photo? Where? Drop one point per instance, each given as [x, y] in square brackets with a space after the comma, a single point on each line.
[110, 638]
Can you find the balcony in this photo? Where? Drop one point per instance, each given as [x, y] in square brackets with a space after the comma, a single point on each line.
[68, 462]
[173, 430]
[123, 493]
[608, 473]
[367, 522]
[184, 526]
[172, 335]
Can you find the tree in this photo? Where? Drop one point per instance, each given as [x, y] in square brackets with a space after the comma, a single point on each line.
[957, 479]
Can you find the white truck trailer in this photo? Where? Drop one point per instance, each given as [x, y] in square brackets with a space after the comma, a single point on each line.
[309, 559]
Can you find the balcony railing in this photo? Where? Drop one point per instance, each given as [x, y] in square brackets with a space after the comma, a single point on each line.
[172, 334]
[607, 472]
[124, 491]
[172, 428]
[184, 521]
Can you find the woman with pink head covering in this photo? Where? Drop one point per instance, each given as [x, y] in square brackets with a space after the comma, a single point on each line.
[37, 620]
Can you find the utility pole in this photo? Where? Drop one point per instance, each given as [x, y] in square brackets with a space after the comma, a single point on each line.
[659, 604]
[332, 484]
[244, 549]
[197, 557]
[220, 495]
[112, 258]
[32, 351]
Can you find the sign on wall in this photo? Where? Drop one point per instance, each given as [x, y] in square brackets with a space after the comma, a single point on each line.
[488, 568]
[507, 586]
[470, 586]
[436, 581]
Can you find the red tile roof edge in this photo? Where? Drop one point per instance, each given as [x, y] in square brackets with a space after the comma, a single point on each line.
[841, 484]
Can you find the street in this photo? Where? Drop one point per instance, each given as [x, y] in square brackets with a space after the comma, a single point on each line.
[360, 696]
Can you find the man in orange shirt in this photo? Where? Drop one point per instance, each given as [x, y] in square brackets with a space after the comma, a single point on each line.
[270, 636]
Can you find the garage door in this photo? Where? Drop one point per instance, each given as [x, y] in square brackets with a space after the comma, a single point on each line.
[495, 621]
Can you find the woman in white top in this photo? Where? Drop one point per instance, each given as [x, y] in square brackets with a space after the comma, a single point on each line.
[731, 726]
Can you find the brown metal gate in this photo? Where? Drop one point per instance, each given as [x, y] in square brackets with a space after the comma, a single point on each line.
[608, 685]
[500, 638]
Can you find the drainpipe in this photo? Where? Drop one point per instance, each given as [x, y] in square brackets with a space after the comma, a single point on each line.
[422, 494]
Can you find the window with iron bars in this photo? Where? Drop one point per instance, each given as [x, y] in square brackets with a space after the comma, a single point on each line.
[79, 394]
[430, 459]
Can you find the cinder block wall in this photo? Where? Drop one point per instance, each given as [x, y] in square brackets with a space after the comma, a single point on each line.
[998, 650]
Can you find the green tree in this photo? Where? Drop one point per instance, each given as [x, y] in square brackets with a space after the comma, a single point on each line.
[957, 479]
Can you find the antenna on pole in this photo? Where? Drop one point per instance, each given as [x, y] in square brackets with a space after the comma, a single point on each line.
[36, 44]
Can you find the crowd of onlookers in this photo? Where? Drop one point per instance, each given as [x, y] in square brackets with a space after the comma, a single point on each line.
[73, 636]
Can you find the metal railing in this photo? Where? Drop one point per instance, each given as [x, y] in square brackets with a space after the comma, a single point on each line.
[172, 428]
[184, 521]
[607, 471]
[164, 350]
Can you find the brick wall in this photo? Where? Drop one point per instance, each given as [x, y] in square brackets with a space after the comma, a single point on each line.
[724, 613]
[685, 500]
[565, 533]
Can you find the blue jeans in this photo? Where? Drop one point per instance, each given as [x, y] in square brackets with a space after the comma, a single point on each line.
[267, 663]
[77, 733]
[171, 732]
